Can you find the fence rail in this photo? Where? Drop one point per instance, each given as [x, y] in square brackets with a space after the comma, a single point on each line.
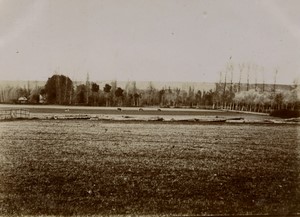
[14, 114]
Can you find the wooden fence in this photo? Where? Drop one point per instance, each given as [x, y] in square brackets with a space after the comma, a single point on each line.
[14, 114]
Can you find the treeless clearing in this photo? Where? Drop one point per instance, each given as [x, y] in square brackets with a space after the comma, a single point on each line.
[44, 110]
[58, 167]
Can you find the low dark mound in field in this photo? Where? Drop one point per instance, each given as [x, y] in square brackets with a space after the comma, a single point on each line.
[284, 113]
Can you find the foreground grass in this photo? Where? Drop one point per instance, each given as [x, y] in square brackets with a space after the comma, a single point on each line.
[86, 167]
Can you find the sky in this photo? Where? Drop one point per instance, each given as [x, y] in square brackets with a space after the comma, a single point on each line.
[150, 40]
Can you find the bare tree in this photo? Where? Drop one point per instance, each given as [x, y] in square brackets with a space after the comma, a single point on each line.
[224, 89]
[248, 75]
[87, 84]
[263, 79]
[241, 68]
[231, 68]
[255, 77]
[275, 78]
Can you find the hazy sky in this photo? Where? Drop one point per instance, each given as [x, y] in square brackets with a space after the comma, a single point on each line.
[158, 40]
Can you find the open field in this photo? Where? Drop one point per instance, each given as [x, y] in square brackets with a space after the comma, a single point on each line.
[80, 167]
[168, 113]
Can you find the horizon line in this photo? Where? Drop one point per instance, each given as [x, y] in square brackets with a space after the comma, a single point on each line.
[145, 81]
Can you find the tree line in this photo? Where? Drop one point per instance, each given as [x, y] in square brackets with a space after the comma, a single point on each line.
[61, 90]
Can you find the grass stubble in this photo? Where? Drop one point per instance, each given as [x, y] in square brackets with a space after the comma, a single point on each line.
[77, 167]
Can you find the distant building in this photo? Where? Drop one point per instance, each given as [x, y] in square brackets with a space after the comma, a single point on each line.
[22, 99]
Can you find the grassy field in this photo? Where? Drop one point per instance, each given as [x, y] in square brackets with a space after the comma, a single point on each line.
[42, 111]
[81, 167]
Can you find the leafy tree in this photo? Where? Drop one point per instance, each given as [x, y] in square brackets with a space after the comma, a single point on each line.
[81, 94]
[107, 89]
[184, 97]
[161, 94]
[133, 94]
[119, 94]
[34, 96]
[198, 97]
[59, 89]
[43, 91]
[112, 94]
[278, 100]
[95, 91]
[95, 87]
[177, 94]
[136, 99]
[208, 98]
[191, 96]
[150, 94]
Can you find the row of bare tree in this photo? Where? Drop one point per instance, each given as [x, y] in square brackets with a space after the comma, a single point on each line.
[258, 101]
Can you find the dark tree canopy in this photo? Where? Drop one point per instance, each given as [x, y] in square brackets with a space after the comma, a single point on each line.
[119, 92]
[107, 88]
[95, 87]
[59, 89]
[81, 92]
[43, 91]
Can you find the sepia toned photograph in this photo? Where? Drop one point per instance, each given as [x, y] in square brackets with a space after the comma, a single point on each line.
[149, 108]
